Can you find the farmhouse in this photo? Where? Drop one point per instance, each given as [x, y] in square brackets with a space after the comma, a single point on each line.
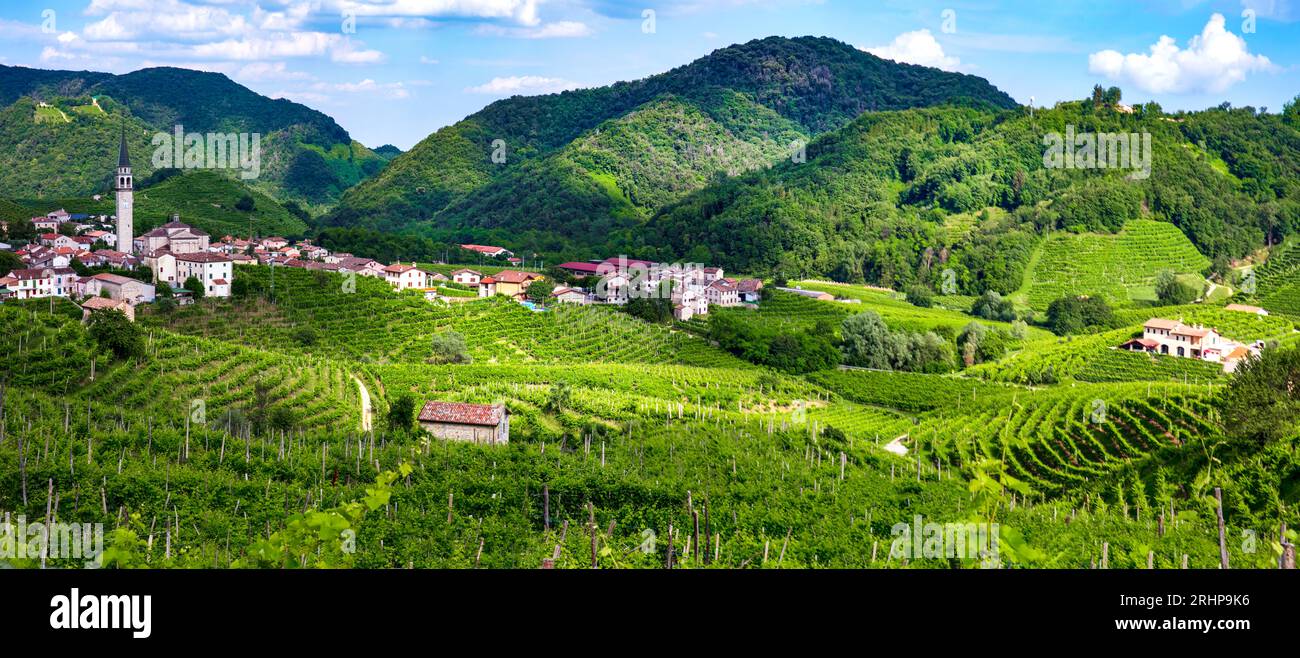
[101, 304]
[466, 277]
[119, 288]
[750, 290]
[406, 277]
[487, 250]
[513, 283]
[458, 421]
[1173, 338]
[569, 296]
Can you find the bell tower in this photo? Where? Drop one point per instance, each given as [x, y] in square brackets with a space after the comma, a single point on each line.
[124, 186]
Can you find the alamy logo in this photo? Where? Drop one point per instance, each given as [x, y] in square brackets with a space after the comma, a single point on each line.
[182, 150]
[1098, 151]
[55, 541]
[100, 612]
[967, 541]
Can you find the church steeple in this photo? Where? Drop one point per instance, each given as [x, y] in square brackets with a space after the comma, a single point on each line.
[123, 160]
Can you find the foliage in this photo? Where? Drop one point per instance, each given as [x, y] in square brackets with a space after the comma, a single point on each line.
[114, 332]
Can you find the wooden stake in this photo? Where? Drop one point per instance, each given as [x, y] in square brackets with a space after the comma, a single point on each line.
[1223, 537]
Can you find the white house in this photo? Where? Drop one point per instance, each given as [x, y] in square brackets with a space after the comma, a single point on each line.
[173, 236]
[406, 277]
[1173, 338]
[466, 277]
[214, 270]
[41, 282]
[569, 296]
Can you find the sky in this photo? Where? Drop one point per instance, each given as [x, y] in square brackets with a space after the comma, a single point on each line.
[394, 71]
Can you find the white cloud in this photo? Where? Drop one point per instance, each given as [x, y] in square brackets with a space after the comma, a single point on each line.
[261, 71]
[919, 47]
[558, 30]
[428, 60]
[524, 85]
[393, 90]
[1213, 61]
[523, 12]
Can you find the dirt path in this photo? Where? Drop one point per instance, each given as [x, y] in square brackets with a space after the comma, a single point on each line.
[367, 413]
[896, 446]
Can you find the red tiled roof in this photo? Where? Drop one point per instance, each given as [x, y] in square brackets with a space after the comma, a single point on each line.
[483, 249]
[590, 268]
[487, 281]
[461, 413]
[515, 276]
[464, 271]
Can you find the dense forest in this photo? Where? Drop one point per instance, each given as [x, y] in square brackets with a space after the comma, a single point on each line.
[55, 122]
[773, 90]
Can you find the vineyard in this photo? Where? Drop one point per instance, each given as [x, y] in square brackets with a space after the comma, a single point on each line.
[619, 430]
[1121, 267]
[1278, 280]
[372, 324]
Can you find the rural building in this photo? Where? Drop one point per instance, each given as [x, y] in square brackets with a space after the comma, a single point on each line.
[513, 283]
[1173, 338]
[459, 421]
[101, 304]
[118, 287]
[466, 277]
[569, 296]
[406, 277]
[750, 290]
[487, 250]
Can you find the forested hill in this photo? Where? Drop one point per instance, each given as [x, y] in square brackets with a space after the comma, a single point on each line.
[306, 155]
[743, 105]
[894, 198]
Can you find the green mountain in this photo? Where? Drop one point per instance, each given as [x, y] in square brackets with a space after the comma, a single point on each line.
[204, 199]
[897, 198]
[611, 156]
[49, 115]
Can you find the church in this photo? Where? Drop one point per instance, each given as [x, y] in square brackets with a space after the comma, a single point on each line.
[174, 251]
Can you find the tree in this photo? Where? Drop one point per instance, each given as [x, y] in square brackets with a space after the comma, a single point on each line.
[245, 203]
[1072, 315]
[866, 341]
[560, 396]
[113, 331]
[195, 286]
[1173, 290]
[540, 290]
[449, 347]
[401, 413]
[10, 262]
[164, 298]
[1262, 405]
[919, 295]
[992, 306]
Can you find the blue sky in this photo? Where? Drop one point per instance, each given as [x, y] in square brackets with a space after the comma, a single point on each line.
[393, 71]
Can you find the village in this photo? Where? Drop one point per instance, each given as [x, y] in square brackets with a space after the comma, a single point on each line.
[191, 264]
